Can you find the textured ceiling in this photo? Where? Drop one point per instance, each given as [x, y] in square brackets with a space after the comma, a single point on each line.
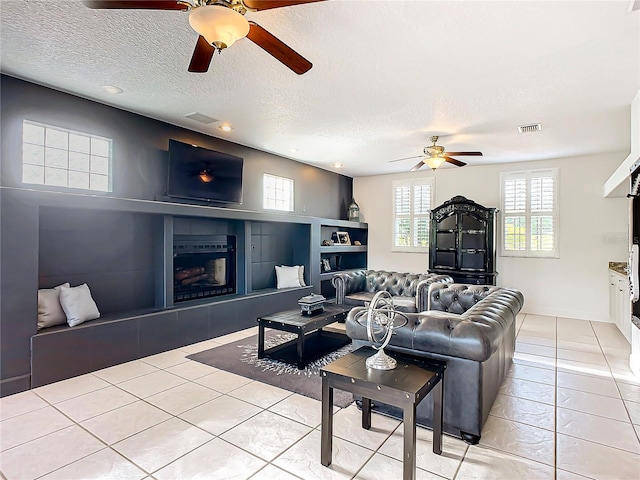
[386, 75]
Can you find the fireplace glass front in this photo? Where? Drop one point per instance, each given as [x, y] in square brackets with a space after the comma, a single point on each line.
[203, 266]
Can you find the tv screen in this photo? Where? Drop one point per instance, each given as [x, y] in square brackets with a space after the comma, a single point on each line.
[202, 174]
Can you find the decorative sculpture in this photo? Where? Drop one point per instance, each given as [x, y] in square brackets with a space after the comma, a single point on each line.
[381, 320]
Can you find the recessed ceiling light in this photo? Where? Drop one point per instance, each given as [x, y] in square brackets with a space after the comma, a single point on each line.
[226, 127]
[338, 165]
[294, 150]
[112, 89]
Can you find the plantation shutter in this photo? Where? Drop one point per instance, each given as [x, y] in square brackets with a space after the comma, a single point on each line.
[514, 210]
[402, 208]
[543, 203]
[529, 208]
[421, 209]
[411, 209]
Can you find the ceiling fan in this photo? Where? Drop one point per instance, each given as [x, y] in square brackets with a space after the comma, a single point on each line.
[220, 23]
[435, 155]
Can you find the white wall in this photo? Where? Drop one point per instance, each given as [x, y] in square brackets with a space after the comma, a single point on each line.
[593, 230]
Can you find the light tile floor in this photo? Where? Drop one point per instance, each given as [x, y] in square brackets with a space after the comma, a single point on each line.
[568, 410]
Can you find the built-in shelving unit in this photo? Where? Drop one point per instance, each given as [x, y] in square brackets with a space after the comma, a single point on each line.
[340, 257]
[124, 250]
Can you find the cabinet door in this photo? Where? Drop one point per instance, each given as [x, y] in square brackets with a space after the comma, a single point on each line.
[613, 299]
[623, 307]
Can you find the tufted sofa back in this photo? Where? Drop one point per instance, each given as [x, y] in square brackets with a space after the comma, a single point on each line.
[398, 284]
[457, 298]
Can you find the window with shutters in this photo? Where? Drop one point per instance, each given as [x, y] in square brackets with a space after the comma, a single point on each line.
[530, 213]
[58, 157]
[277, 193]
[412, 200]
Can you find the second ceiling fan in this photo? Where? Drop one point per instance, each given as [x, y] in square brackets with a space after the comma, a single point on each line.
[220, 23]
[435, 155]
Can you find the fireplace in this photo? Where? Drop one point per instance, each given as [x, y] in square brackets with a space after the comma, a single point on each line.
[203, 266]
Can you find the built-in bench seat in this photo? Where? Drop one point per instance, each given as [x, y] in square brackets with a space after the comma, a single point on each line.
[62, 352]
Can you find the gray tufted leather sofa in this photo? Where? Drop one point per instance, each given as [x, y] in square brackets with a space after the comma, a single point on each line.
[410, 290]
[472, 328]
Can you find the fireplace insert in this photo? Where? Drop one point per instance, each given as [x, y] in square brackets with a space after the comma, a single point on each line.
[203, 266]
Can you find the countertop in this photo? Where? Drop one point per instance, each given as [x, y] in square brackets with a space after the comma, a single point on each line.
[618, 267]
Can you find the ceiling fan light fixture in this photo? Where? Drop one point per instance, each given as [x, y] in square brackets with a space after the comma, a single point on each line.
[434, 162]
[219, 25]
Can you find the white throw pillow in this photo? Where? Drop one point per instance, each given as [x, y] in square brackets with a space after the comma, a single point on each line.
[50, 311]
[301, 275]
[288, 277]
[78, 305]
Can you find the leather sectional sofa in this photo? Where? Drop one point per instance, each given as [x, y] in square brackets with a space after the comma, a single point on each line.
[472, 329]
[410, 290]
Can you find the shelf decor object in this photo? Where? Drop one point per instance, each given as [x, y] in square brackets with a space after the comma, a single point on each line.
[381, 320]
[354, 211]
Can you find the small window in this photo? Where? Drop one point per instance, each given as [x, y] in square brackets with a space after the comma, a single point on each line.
[277, 193]
[412, 200]
[530, 213]
[59, 157]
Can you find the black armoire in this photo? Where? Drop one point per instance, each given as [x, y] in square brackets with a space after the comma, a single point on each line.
[462, 241]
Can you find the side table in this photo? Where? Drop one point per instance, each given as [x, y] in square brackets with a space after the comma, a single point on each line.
[312, 342]
[405, 386]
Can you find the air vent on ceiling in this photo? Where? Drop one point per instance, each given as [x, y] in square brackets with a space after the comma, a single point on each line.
[201, 117]
[534, 127]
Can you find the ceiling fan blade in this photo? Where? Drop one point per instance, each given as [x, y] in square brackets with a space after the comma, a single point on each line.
[201, 57]
[473, 154]
[278, 49]
[136, 4]
[418, 166]
[267, 4]
[406, 158]
[457, 163]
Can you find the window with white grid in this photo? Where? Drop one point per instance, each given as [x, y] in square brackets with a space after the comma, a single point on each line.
[58, 157]
[277, 193]
[530, 213]
[412, 200]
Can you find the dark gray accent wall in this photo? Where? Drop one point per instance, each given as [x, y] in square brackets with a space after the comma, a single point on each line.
[41, 239]
[276, 244]
[112, 252]
[140, 150]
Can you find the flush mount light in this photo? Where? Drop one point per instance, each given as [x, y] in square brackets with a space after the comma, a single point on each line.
[226, 127]
[112, 89]
[219, 25]
[338, 165]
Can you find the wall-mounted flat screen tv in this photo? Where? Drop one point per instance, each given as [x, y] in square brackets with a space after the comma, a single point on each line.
[202, 174]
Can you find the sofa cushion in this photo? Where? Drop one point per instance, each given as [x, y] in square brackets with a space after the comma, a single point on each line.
[457, 297]
[403, 304]
[397, 284]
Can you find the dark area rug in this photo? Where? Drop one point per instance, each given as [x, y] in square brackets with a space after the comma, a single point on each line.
[241, 358]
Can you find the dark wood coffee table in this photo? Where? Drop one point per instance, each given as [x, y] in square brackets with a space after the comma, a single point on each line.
[312, 342]
[405, 386]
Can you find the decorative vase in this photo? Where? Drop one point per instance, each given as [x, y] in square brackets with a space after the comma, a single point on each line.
[354, 211]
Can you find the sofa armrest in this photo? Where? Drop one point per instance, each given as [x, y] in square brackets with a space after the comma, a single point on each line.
[348, 282]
